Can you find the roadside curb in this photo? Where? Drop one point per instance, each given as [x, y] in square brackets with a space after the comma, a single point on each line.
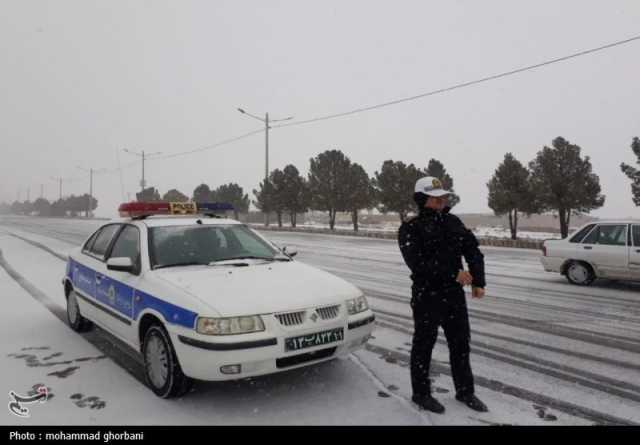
[484, 241]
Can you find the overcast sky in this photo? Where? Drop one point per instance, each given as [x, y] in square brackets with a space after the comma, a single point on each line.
[81, 80]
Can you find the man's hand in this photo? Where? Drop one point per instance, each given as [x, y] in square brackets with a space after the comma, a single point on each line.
[477, 292]
[464, 278]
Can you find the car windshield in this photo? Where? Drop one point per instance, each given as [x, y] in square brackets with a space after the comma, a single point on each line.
[175, 246]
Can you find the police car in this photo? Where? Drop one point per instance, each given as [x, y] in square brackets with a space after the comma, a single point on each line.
[207, 298]
[607, 249]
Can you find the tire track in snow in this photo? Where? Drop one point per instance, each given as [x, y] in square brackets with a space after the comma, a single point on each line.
[102, 340]
[585, 335]
[598, 382]
[408, 323]
[521, 393]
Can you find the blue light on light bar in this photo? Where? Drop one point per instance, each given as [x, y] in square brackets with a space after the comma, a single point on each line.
[214, 206]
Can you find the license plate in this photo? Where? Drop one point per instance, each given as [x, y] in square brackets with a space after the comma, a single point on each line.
[315, 339]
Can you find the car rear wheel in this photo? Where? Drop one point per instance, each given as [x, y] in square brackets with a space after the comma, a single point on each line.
[77, 322]
[162, 370]
[580, 273]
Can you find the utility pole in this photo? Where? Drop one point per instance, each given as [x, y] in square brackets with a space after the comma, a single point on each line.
[266, 122]
[144, 156]
[266, 147]
[60, 181]
[90, 199]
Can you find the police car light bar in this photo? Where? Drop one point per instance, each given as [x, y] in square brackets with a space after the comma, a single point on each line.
[143, 209]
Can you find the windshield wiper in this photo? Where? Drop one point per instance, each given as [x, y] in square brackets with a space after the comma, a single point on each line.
[192, 263]
[248, 257]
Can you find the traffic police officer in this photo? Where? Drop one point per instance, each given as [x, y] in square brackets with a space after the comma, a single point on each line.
[432, 244]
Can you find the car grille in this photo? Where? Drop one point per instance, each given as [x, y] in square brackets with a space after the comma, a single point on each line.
[291, 318]
[327, 313]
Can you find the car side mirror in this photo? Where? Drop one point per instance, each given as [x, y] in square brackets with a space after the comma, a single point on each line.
[121, 264]
[291, 253]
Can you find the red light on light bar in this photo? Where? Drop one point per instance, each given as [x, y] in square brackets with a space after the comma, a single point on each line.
[135, 209]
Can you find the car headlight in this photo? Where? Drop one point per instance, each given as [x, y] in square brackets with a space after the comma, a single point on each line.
[229, 326]
[357, 305]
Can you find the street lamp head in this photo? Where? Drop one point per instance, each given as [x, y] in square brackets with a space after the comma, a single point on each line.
[241, 110]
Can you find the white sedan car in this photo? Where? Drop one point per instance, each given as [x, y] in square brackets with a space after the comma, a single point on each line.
[210, 299]
[607, 249]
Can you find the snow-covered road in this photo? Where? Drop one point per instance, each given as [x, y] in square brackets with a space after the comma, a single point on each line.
[544, 352]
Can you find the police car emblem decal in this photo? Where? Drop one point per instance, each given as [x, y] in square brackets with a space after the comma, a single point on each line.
[314, 317]
[111, 293]
[436, 184]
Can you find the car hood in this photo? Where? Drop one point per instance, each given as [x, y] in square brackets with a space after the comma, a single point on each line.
[260, 288]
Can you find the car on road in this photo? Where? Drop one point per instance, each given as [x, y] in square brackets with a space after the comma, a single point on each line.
[606, 249]
[208, 298]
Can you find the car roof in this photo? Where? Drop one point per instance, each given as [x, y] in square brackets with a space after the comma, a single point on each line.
[171, 220]
[616, 221]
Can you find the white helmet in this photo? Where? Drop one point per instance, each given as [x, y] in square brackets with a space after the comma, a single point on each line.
[430, 186]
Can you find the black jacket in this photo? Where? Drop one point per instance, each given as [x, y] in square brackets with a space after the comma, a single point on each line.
[432, 245]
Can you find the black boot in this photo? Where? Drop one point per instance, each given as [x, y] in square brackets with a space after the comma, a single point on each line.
[428, 403]
[473, 402]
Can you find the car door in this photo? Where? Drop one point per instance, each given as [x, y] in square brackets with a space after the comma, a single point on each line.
[96, 261]
[120, 286]
[606, 248]
[634, 254]
[86, 271]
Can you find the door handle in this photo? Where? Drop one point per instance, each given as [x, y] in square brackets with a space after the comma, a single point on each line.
[588, 247]
[99, 278]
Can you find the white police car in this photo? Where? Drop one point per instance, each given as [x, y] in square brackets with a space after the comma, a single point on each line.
[606, 249]
[208, 298]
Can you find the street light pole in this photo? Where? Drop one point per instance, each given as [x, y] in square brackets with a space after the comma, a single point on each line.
[266, 122]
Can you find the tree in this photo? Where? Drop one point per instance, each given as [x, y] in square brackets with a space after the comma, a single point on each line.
[564, 182]
[233, 194]
[394, 186]
[175, 195]
[328, 183]
[436, 169]
[42, 206]
[510, 192]
[264, 198]
[16, 208]
[201, 193]
[58, 208]
[149, 194]
[278, 184]
[295, 193]
[77, 204]
[5, 208]
[361, 194]
[633, 173]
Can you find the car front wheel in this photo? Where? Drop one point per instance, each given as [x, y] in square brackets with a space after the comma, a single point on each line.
[162, 370]
[77, 322]
[580, 274]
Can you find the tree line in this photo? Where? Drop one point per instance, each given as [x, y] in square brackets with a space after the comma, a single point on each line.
[69, 206]
[559, 179]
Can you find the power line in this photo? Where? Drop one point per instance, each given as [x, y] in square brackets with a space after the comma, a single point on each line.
[385, 104]
[209, 147]
[462, 85]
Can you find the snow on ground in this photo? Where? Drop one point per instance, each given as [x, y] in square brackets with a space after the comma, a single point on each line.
[91, 389]
[543, 352]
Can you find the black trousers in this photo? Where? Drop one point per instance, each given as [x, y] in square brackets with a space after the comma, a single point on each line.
[447, 308]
